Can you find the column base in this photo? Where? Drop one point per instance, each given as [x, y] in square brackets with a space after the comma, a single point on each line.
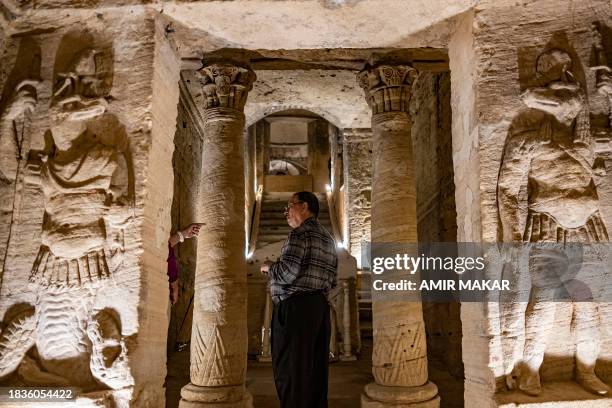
[264, 359]
[195, 396]
[380, 396]
[350, 357]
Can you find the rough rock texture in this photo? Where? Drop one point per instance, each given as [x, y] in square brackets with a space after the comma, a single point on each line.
[333, 95]
[122, 303]
[495, 57]
[437, 219]
[85, 204]
[186, 162]
[237, 24]
[357, 160]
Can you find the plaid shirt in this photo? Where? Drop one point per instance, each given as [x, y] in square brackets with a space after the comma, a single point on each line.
[308, 262]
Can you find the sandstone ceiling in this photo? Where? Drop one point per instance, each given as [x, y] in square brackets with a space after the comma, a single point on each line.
[305, 53]
[270, 24]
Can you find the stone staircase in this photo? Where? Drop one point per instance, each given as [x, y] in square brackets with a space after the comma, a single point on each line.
[273, 225]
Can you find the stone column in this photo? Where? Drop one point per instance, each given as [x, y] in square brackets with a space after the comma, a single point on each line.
[219, 333]
[399, 358]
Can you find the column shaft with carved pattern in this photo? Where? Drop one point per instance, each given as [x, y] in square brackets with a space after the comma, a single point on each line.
[219, 333]
[399, 359]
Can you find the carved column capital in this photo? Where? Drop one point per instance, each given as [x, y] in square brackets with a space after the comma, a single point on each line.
[225, 85]
[388, 88]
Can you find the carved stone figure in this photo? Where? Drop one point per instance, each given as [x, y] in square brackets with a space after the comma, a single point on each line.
[84, 177]
[547, 194]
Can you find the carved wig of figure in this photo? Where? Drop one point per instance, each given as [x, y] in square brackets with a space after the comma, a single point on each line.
[84, 178]
[547, 194]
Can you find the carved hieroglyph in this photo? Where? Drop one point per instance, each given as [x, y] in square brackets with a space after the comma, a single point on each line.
[219, 334]
[399, 359]
[84, 178]
[547, 193]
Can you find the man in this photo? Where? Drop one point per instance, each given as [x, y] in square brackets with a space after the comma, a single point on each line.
[299, 282]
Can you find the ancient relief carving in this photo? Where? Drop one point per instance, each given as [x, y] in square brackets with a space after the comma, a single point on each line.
[225, 85]
[547, 193]
[601, 68]
[84, 176]
[14, 128]
[388, 87]
[87, 203]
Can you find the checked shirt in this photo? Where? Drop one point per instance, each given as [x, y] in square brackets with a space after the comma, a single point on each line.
[308, 262]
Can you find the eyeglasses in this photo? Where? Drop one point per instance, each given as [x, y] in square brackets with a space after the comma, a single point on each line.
[290, 205]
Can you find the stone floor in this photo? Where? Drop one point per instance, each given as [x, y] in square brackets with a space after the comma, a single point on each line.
[346, 381]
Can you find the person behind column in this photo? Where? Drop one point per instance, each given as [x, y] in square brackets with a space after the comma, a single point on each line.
[173, 268]
[299, 282]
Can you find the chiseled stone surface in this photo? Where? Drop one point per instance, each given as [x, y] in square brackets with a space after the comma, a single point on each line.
[88, 116]
[500, 58]
[437, 218]
[357, 161]
[187, 162]
[80, 281]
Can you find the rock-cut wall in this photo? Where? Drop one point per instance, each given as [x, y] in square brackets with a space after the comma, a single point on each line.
[85, 107]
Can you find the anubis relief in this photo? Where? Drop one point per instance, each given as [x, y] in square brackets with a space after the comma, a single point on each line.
[64, 339]
[548, 198]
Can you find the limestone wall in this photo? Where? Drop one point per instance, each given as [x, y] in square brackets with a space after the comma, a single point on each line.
[186, 163]
[431, 134]
[494, 57]
[319, 154]
[357, 162]
[89, 238]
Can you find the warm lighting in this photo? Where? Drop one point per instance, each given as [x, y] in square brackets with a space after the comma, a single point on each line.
[328, 188]
[249, 255]
[340, 245]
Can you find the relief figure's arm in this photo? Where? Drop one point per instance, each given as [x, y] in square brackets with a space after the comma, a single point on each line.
[12, 126]
[513, 178]
[120, 194]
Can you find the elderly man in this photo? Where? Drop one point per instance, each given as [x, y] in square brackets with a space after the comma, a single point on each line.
[300, 280]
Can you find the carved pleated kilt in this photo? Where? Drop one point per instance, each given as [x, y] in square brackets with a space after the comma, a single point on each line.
[559, 255]
[51, 270]
[542, 227]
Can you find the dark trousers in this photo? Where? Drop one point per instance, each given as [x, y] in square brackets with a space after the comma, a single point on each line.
[300, 350]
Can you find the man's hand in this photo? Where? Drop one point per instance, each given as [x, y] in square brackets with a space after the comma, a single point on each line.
[265, 268]
[174, 292]
[192, 230]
